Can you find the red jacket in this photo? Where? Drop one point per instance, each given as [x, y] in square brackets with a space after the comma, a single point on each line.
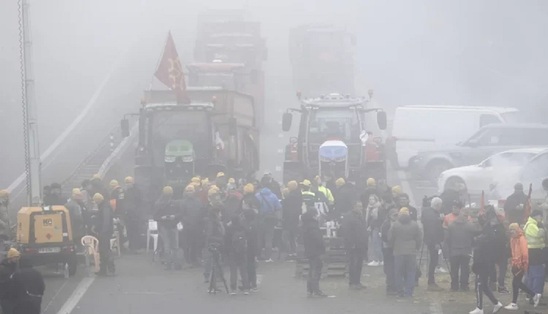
[520, 254]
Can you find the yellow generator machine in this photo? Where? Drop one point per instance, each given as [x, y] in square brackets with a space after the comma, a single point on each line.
[44, 234]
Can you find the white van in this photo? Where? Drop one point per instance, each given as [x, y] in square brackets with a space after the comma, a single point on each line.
[420, 128]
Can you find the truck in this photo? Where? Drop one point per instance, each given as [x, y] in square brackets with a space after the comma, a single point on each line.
[333, 140]
[229, 51]
[215, 132]
[322, 59]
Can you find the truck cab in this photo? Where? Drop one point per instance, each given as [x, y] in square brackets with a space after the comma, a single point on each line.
[333, 140]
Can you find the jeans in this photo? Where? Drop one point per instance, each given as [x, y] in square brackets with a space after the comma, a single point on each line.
[389, 269]
[535, 278]
[460, 263]
[269, 225]
[376, 246]
[406, 269]
[170, 239]
[502, 266]
[517, 284]
[238, 264]
[314, 274]
[355, 264]
[433, 262]
[483, 288]
[289, 238]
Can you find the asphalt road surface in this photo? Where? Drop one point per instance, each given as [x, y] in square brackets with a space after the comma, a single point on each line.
[142, 286]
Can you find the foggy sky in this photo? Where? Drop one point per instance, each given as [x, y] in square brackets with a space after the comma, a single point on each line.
[410, 52]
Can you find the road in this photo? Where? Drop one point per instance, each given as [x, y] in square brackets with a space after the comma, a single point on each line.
[142, 286]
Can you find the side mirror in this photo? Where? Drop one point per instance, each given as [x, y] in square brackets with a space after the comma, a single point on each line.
[287, 118]
[124, 123]
[381, 120]
[232, 126]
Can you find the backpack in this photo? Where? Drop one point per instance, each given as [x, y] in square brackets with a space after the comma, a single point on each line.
[239, 241]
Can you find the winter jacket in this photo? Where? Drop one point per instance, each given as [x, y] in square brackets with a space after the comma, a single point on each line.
[345, 199]
[192, 212]
[232, 205]
[269, 203]
[511, 208]
[104, 225]
[236, 238]
[449, 197]
[535, 241]
[432, 223]
[354, 231]
[6, 284]
[167, 212]
[364, 198]
[291, 210]
[250, 224]
[215, 230]
[405, 236]
[375, 216]
[413, 213]
[313, 242]
[133, 203]
[449, 219]
[520, 253]
[76, 217]
[28, 288]
[460, 236]
[250, 202]
[4, 220]
[501, 240]
[385, 233]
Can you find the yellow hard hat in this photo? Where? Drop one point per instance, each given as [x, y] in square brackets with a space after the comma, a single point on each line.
[213, 190]
[340, 182]
[249, 188]
[220, 174]
[114, 184]
[371, 182]
[190, 189]
[396, 189]
[4, 194]
[306, 183]
[77, 194]
[404, 211]
[167, 190]
[98, 198]
[195, 180]
[13, 253]
[129, 180]
[231, 181]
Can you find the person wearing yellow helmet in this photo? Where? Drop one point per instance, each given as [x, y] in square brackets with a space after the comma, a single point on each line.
[134, 216]
[168, 213]
[104, 227]
[192, 216]
[291, 211]
[345, 198]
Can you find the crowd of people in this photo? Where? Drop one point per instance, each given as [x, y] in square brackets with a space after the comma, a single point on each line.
[234, 224]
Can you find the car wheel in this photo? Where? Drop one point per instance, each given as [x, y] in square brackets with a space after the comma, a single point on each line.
[452, 182]
[435, 168]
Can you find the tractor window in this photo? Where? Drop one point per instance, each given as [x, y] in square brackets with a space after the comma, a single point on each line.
[342, 124]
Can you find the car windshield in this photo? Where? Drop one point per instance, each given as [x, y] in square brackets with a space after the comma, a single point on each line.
[167, 126]
[508, 159]
[343, 124]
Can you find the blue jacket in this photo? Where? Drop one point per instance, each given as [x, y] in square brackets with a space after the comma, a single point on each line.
[269, 202]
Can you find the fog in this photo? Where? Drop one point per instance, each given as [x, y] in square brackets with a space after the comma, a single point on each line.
[409, 52]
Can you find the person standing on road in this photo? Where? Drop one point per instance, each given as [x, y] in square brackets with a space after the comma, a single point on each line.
[104, 228]
[376, 214]
[134, 219]
[459, 240]
[514, 207]
[5, 228]
[388, 253]
[371, 188]
[354, 232]
[484, 259]
[214, 233]
[535, 235]
[192, 218]
[314, 248]
[520, 264]
[28, 288]
[405, 237]
[432, 220]
[8, 267]
[345, 198]
[236, 245]
[75, 206]
[503, 254]
[269, 209]
[250, 210]
[291, 211]
[167, 212]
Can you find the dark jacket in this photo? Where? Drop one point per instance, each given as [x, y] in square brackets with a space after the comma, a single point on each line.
[104, 226]
[484, 253]
[6, 284]
[235, 229]
[413, 213]
[269, 203]
[345, 199]
[364, 198]
[192, 213]
[28, 288]
[168, 212]
[291, 210]
[501, 240]
[385, 232]
[405, 236]
[460, 236]
[250, 222]
[314, 245]
[75, 209]
[449, 197]
[513, 214]
[132, 204]
[354, 231]
[215, 230]
[432, 223]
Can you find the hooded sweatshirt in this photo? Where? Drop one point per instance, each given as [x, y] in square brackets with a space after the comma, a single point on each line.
[405, 236]
[520, 253]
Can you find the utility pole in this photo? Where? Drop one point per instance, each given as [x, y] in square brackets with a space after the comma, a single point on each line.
[32, 147]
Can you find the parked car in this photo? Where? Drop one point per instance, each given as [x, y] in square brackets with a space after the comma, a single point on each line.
[533, 172]
[485, 142]
[496, 169]
[421, 128]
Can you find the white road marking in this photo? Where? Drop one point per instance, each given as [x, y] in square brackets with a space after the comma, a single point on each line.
[435, 307]
[77, 295]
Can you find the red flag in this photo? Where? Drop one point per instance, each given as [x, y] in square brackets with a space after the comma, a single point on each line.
[527, 209]
[170, 71]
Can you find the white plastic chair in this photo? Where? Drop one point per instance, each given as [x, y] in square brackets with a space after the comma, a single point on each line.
[152, 232]
[91, 246]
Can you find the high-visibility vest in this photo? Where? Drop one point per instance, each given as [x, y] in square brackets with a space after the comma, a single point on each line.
[534, 235]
